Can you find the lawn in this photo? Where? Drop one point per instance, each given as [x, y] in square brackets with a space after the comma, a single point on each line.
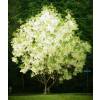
[52, 97]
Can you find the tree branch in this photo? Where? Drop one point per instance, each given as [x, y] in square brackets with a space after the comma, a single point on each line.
[54, 80]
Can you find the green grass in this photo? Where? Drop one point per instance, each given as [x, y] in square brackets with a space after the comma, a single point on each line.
[52, 97]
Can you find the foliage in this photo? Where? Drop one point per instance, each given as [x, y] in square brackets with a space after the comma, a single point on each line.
[47, 45]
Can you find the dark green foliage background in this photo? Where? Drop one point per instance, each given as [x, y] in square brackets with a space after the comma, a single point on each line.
[20, 10]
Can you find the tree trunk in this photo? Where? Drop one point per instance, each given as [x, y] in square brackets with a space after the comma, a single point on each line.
[48, 90]
[45, 89]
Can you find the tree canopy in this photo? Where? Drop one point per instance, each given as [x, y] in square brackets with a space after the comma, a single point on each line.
[47, 43]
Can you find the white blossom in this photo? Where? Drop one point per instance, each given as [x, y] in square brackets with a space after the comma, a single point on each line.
[47, 40]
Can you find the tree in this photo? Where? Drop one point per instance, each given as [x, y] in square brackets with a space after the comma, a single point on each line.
[48, 46]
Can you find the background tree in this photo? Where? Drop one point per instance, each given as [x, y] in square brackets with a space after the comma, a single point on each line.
[48, 46]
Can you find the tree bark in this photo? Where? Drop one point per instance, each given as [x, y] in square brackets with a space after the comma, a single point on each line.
[45, 89]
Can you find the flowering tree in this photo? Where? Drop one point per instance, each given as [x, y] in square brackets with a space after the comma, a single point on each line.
[48, 46]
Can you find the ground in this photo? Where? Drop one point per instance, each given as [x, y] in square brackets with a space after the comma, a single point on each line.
[53, 97]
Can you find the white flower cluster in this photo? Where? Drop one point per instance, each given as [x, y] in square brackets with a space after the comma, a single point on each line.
[44, 40]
